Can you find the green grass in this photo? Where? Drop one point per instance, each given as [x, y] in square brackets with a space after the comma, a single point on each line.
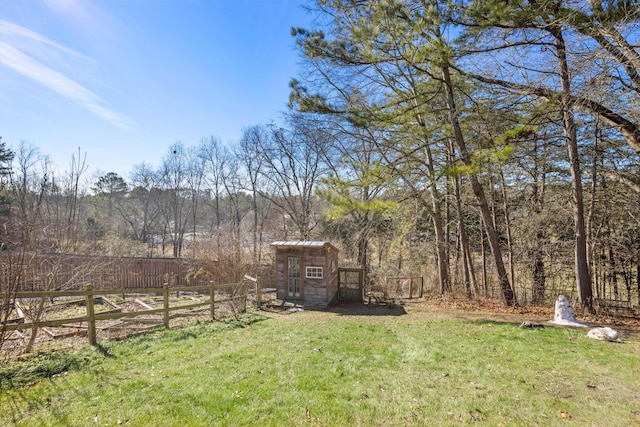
[320, 368]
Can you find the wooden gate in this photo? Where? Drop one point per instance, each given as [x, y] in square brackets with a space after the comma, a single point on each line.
[350, 284]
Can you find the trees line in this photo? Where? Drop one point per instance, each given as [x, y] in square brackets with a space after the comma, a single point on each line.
[489, 89]
[421, 135]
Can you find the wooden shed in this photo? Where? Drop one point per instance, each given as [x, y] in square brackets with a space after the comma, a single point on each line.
[306, 272]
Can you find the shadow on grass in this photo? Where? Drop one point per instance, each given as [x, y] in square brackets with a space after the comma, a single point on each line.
[38, 366]
[104, 351]
[246, 319]
[363, 309]
[341, 308]
[192, 330]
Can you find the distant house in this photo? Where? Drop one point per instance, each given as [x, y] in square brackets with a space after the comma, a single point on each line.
[306, 272]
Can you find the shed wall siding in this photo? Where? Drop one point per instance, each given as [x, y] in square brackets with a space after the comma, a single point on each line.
[332, 276]
[315, 291]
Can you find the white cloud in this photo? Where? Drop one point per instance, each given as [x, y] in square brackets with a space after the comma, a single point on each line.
[48, 77]
[12, 29]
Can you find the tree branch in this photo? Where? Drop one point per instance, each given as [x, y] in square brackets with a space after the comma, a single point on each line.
[630, 131]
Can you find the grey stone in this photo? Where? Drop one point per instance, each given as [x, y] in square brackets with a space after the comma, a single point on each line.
[604, 334]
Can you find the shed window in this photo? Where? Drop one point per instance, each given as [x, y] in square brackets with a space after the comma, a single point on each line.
[314, 272]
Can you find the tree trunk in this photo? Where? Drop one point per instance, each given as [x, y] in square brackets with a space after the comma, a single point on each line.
[507, 224]
[32, 340]
[583, 277]
[471, 287]
[626, 274]
[603, 275]
[434, 208]
[441, 247]
[592, 259]
[613, 274]
[363, 245]
[508, 296]
[539, 278]
[638, 280]
[435, 211]
[254, 232]
[485, 285]
[537, 198]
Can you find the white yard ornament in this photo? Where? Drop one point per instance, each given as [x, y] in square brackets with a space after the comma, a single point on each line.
[564, 315]
[604, 334]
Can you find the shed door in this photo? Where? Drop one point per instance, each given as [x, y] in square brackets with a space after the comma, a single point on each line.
[293, 277]
[350, 284]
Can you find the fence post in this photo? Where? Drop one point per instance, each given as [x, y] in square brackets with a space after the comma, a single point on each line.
[213, 300]
[246, 291]
[386, 288]
[91, 313]
[165, 313]
[411, 288]
[258, 293]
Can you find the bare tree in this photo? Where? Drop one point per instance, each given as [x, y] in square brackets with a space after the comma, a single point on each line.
[194, 180]
[293, 164]
[253, 140]
[33, 228]
[236, 199]
[216, 159]
[176, 204]
[141, 209]
[74, 196]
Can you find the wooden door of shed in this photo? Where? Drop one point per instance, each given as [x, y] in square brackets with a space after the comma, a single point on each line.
[350, 284]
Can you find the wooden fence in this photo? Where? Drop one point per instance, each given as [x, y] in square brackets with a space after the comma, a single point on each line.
[404, 287]
[70, 272]
[92, 317]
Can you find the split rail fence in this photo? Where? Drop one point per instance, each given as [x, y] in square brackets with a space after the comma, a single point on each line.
[238, 293]
[404, 287]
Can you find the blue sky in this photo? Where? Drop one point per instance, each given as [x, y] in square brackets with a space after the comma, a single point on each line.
[124, 79]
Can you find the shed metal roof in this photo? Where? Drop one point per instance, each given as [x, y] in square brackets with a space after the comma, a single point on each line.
[301, 243]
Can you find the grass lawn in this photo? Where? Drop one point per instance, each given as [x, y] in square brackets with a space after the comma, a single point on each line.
[313, 368]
